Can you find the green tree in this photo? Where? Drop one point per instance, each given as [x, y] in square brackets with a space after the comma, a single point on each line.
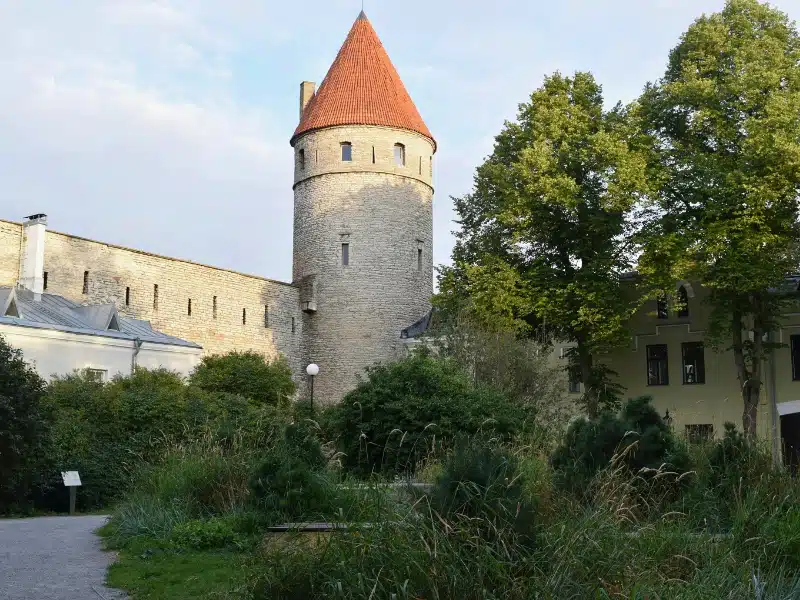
[246, 374]
[546, 234]
[24, 428]
[725, 119]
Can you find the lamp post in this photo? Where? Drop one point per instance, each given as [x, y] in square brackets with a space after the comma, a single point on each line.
[313, 371]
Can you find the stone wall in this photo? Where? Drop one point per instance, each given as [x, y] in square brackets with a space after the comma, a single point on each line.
[383, 212]
[128, 278]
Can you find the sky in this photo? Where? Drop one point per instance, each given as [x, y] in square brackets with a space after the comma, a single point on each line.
[164, 125]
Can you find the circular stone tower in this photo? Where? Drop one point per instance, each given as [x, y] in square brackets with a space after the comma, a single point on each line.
[363, 227]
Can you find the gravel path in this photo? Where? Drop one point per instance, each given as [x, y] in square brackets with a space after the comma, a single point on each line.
[53, 558]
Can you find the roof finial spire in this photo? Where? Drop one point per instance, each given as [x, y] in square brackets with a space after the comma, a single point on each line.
[362, 14]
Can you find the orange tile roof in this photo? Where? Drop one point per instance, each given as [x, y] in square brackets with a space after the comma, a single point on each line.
[362, 87]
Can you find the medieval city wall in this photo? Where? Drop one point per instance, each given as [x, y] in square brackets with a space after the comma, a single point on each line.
[229, 310]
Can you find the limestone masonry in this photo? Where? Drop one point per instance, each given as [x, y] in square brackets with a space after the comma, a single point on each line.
[363, 236]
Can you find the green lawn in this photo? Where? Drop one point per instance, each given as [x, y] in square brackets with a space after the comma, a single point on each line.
[148, 572]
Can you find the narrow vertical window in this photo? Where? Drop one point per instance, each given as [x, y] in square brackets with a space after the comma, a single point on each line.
[293, 325]
[45, 280]
[345, 255]
[694, 364]
[266, 315]
[400, 155]
[419, 259]
[302, 158]
[431, 166]
[244, 316]
[373, 155]
[127, 296]
[662, 310]
[189, 308]
[214, 307]
[316, 156]
[657, 365]
[347, 152]
[683, 300]
[155, 296]
[86, 282]
[420, 165]
[795, 344]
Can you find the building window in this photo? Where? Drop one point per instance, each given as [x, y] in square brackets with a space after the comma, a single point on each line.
[657, 365]
[431, 163]
[214, 307]
[98, 375]
[316, 156]
[155, 297]
[302, 158]
[45, 280]
[266, 315]
[400, 155]
[244, 316]
[683, 300]
[345, 255]
[420, 165]
[347, 152]
[662, 310]
[127, 296]
[189, 308]
[574, 376]
[697, 434]
[795, 340]
[373, 155]
[419, 259]
[293, 325]
[694, 365]
[86, 282]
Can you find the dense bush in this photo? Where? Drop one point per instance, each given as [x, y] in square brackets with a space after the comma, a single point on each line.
[482, 482]
[412, 408]
[24, 428]
[110, 432]
[638, 435]
[247, 374]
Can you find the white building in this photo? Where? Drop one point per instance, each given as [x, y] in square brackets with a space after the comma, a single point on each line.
[58, 336]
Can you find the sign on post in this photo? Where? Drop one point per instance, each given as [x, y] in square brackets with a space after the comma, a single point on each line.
[71, 480]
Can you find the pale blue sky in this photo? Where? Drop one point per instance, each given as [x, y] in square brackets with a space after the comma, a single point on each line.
[164, 125]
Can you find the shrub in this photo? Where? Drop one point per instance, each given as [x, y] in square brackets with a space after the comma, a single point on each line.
[246, 374]
[638, 433]
[482, 482]
[24, 430]
[204, 534]
[411, 408]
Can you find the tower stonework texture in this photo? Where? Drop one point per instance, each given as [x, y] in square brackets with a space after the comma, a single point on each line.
[363, 227]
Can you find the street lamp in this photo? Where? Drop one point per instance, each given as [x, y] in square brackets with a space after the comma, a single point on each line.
[313, 371]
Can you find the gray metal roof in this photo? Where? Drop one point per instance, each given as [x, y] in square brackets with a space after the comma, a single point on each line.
[58, 313]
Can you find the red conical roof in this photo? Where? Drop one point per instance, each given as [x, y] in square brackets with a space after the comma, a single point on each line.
[362, 87]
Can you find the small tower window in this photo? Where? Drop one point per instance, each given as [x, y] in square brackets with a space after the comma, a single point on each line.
[45, 280]
[266, 315]
[127, 296]
[86, 282]
[345, 255]
[419, 259]
[420, 165]
[400, 155]
[373, 155]
[293, 325]
[155, 296]
[683, 300]
[302, 158]
[316, 156]
[189, 308]
[347, 152]
[431, 163]
[214, 308]
[244, 316]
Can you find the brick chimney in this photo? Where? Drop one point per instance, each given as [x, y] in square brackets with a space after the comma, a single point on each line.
[31, 268]
[307, 89]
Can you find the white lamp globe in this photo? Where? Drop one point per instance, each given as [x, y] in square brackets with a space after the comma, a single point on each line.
[312, 369]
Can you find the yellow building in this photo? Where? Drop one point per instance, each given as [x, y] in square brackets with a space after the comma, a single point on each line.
[696, 387]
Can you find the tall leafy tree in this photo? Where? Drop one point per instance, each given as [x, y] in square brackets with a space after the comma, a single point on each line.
[726, 122]
[545, 235]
